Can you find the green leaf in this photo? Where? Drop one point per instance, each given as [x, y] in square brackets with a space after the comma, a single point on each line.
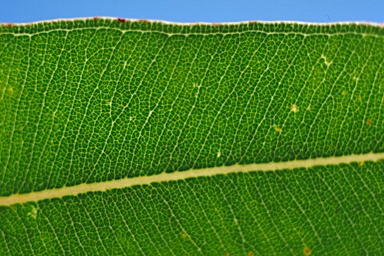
[165, 139]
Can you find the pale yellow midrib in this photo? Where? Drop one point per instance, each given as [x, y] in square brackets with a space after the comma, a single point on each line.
[165, 177]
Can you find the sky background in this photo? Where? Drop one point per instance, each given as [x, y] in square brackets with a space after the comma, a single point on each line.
[15, 11]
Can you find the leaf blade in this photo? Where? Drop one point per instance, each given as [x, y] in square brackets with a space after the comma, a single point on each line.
[96, 101]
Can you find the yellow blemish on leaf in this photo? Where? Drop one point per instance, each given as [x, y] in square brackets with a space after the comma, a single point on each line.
[361, 163]
[226, 254]
[184, 235]
[307, 251]
[251, 254]
[33, 212]
[198, 86]
[277, 129]
[327, 62]
[10, 90]
[294, 108]
[219, 154]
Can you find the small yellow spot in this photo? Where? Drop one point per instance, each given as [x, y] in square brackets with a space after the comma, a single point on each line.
[361, 163]
[325, 60]
[219, 154]
[277, 129]
[344, 92]
[226, 254]
[307, 251]
[294, 108]
[10, 89]
[33, 212]
[251, 254]
[198, 86]
[184, 235]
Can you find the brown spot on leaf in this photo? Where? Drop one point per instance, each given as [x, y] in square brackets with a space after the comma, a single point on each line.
[121, 20]
[307, 251]
[369, 121]
[144, 21]
[251, 254]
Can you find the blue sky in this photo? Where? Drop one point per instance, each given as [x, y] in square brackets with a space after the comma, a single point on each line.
[196, 10]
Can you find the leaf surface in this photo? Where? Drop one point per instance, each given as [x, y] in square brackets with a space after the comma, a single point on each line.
[132, 137]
